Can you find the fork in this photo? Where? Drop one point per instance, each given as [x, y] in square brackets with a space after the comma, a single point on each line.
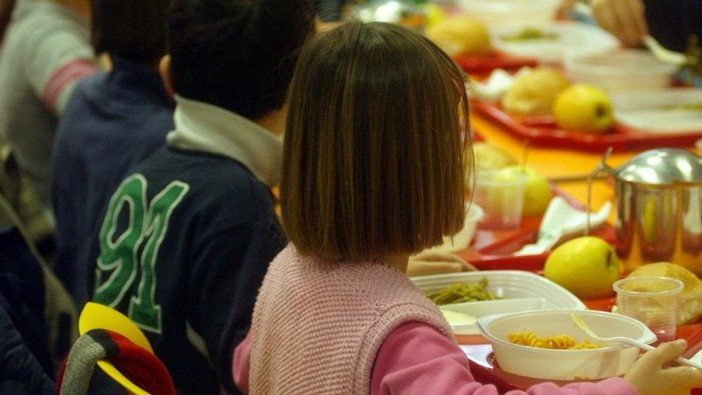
[625, 340]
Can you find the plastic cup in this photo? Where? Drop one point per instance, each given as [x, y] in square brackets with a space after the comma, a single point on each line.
[501, 195]
[652, 300]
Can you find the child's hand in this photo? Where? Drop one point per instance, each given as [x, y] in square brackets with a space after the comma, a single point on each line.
[625, 19]
[436, 263]
[650, 377]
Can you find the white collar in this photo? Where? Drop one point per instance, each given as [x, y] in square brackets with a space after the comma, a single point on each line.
[203, 127]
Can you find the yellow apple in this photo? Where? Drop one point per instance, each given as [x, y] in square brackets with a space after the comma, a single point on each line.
[537, 190]
[583, 108]
[587, 266]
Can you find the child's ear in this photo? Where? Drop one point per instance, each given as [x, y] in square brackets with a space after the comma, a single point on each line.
[164, 68]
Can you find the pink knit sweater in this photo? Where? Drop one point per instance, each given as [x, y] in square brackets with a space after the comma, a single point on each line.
[318, 325]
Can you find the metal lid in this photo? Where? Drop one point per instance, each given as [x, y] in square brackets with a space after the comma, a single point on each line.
[662, 166]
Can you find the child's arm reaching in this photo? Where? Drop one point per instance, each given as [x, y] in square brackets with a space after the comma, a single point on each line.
[417, 359]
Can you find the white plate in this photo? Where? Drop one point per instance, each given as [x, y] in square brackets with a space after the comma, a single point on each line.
[536, 292]
[570, 38]
[655, 110]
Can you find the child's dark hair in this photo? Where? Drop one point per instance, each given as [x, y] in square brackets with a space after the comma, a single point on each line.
[131, 29]
[237, 54]
[374, 144]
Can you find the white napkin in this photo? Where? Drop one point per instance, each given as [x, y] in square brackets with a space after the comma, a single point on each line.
[561, 219]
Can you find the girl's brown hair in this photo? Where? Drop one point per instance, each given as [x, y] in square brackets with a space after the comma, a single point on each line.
[374, 144]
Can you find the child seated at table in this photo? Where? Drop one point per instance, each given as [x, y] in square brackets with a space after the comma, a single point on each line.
[374, 173]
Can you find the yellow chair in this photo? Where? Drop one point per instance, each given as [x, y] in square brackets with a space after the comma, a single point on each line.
[98, 316]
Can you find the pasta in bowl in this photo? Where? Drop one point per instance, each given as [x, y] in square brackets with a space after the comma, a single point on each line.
[546, 344]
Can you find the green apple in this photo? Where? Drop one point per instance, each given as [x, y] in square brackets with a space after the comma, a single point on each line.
[587, 266]
[537, 190]
[583, 108]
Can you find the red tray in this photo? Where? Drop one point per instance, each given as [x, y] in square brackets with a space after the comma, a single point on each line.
[493, 250]
[477, 66]
[485, 370]
[542, 131]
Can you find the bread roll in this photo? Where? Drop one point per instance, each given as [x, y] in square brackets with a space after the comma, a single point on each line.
[460, 35]
[533, 93]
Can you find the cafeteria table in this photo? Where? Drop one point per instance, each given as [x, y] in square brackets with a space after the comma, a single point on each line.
[568, 170]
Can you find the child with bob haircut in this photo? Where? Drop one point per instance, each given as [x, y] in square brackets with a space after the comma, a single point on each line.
[373, 154]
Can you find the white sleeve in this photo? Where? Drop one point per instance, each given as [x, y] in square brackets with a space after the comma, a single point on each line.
[57, 52]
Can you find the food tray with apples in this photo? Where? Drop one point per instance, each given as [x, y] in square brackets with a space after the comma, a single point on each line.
[491, 250]
[628, 133]
[494, 249]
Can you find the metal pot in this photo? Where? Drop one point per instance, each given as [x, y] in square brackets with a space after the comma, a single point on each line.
[658, 196]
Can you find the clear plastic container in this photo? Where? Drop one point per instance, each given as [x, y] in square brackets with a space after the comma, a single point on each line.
[620, 70]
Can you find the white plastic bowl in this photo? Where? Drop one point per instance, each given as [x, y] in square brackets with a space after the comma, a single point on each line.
[550, 364]
[496, 12]
[461, 240]
[621, 70]
[562, 39]
[668, 110]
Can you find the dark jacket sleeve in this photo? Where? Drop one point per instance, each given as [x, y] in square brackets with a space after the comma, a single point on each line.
[228, 290]
[20, 373]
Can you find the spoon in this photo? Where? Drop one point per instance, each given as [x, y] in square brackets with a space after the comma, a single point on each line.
[664, 54]
[624, 340]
